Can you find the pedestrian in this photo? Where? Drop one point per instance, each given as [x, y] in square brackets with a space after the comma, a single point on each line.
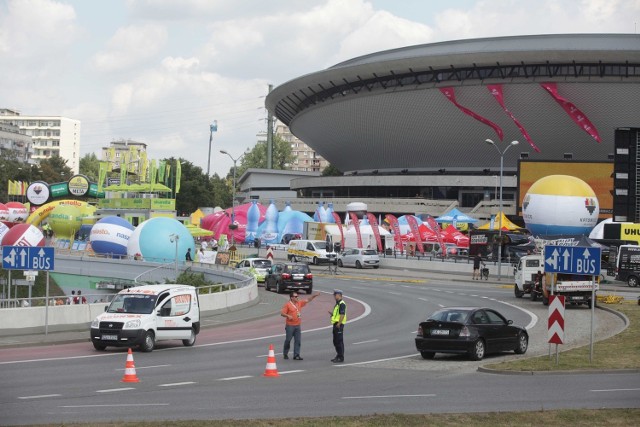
[204, 245]
[477, 260]
[72, 298]
[81, 298]
[187, 257]
[291, 310]
[201, 254]
[338, 319]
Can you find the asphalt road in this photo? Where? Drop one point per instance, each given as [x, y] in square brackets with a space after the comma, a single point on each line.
[221, 377]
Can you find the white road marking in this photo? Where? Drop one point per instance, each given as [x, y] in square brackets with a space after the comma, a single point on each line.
[144, 367]
[110, 406]
[111, 390]
[290, 372]
[389, 396]
[177, 384]
[235, 378]
[364, 342]
[441, 305]
[42, 396]
[394, 293]
[374, 361]
[423, 299]
[616, 389]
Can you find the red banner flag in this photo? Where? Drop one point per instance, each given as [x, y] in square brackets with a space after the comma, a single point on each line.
[376, 231]
[576, 115]
[356, 224]
[496, 91]
[449, 92]
[413, 224]
[436, 229]
[393, 222]
[338, 221]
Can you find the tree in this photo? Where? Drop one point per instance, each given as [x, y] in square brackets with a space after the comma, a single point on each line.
[90, 166]
[257, 157]
[331, 171]
[55, 169]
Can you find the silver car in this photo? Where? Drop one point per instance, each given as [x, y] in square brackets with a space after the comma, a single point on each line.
[359, 258]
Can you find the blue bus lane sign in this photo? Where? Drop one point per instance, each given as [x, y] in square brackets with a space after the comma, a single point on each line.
[28, 258]
[572, 260]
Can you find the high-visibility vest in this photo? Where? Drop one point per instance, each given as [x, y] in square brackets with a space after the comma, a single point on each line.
[335, 317]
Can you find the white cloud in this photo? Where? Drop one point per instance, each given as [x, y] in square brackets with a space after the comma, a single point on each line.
[130, 46]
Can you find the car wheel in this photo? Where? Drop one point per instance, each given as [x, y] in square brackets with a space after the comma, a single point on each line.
[309, 290]
[149, 342]
[314, 261]
[376, 266]
[278, 288]
[523, 343]
[632, 281]
[358, 265]
[340, 263]
[427, 354]
[266, 285]
[534, 295]
[477, 352]
[517, 291]
[191, 341]
[99, 347]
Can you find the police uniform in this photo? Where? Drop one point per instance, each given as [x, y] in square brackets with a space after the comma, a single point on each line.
[339, 310]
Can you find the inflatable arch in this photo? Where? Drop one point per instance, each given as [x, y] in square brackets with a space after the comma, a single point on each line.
[43, 211]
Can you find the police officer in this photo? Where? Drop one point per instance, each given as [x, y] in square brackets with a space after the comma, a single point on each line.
[338, 319]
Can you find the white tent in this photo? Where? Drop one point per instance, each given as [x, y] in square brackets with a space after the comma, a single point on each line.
[366, 232]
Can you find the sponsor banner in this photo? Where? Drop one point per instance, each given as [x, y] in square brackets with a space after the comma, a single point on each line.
[576, 115]
[78, 185]
[393, 221]
[449, 92]
[413, 224]
[356, 225]
[59, 189]
[38, 193]
[496, 91]
[376, 231]
[436, 229]
[338, 221]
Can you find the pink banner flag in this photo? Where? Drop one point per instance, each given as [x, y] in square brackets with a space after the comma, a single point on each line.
[576, 115]
[496, 91]
[356, 224]
[413, 224]
[436, 229]
[338, 221]
[449, 92]
[393, 222]
[376, 231]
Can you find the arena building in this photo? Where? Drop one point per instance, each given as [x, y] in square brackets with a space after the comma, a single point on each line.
[414, 121]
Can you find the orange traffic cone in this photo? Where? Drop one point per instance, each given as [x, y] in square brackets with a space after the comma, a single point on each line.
[130, 370]
[271, 370]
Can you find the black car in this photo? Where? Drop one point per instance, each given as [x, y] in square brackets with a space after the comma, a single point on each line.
[469, 330]
[289, 276]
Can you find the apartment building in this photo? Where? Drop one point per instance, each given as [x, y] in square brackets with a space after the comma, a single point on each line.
[134, 151]
[50, 135]
[13, 140]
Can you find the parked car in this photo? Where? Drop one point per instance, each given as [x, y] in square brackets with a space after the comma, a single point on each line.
[473, 331]
[289, 276]
[256, 266]
[359, 258]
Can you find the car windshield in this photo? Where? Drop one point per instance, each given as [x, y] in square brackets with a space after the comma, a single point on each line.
[262, 263]
[137, 304]
[297, 269]
[450, 315]
[368, 252]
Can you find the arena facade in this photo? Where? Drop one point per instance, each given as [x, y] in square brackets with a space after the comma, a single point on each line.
[413, 121]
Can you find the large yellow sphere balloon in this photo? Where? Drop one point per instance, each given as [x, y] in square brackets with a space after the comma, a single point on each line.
[65, 220]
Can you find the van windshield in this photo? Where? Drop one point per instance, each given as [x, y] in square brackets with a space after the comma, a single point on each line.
[136, 304]
[322, 246]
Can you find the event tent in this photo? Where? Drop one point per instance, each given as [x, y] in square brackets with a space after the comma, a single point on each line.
[507, 225]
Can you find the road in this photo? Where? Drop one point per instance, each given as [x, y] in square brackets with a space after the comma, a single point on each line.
[221, 377]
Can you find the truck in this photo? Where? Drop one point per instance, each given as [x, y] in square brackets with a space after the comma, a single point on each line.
[575, 288]
[627, 264]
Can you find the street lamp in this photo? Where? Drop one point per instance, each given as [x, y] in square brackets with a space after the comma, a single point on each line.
[233, 201]
[174, 238]
[213, 127]
[488, 141]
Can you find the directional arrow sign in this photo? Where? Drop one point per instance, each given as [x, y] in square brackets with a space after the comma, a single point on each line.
[28, 258]
[556, 319]
[572, 260]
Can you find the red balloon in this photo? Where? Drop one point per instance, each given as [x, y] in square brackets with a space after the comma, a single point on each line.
[23, 235]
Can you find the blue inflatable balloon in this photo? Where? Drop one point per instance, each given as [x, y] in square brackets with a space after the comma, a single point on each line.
[110, 236]
[156, 240]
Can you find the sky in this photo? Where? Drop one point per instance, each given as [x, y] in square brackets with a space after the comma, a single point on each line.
[161, 71]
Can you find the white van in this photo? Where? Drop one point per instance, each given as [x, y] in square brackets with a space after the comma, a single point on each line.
[313, 251]
[142, 315]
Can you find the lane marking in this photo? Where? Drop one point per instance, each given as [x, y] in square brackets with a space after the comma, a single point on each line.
[111, 390]
[394, 293]
[177, 384]
[144, 367]
[423, 299]
[122, 405]
[616, 389]
[291, 372]
[42, 396]
[441, 305]
[375, 361]
[388, 396]
[365, 342]
[235, 378]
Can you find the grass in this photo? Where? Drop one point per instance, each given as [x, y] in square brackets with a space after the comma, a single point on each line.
[618, 352]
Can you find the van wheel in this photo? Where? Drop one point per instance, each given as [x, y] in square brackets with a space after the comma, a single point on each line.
[191, 341]
[534, 294]
[632, 281]
[99, 347]
[294, 259]
[315, 260]
[517, 291]
[149, 342]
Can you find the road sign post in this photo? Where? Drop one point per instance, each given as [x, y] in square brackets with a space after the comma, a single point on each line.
[556, 321]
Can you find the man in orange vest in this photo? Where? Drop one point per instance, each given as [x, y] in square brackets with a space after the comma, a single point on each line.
[291, 310]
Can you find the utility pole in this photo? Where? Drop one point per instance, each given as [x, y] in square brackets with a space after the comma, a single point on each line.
[269, 136]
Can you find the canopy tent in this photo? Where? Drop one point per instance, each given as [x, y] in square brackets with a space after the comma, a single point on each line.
[139, 188]
[197, 231]
[453, 235]
[507, 225]
[454, 216]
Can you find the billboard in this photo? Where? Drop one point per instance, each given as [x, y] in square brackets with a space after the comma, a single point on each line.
[599, 176]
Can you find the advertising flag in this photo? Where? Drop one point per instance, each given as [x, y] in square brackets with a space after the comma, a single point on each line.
[393, 222]
[102, 175]
[376, 231]
[496, 91]
[356, 225]
[161, 170]
[178, 175]
[167, 173]
[449, 92]
[436, 229]
[576, 115]
[153, 174]
[336, 218]
[413, 224]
